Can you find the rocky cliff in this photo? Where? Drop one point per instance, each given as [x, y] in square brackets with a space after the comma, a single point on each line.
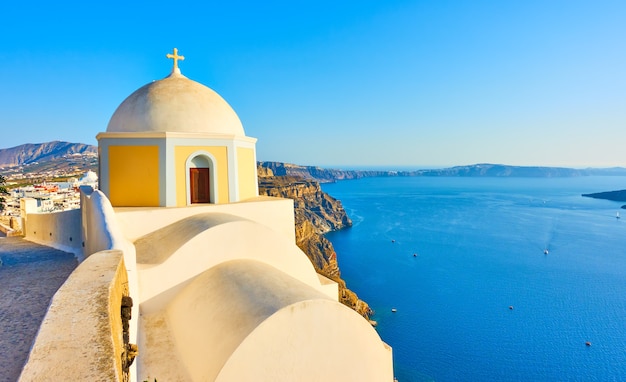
[316, 213]
[319, 174]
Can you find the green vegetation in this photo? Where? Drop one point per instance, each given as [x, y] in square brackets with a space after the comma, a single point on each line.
[3, 191]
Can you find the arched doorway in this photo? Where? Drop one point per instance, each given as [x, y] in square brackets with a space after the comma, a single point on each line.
[200, 180]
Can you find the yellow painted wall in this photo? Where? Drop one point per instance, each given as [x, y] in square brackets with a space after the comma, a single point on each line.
[181, 153]
[134, 176]
[246, 167]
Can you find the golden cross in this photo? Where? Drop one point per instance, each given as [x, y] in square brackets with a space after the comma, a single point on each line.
[175, 57]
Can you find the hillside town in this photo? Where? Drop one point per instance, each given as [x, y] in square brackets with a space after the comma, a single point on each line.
[48, 186]
[50, 196]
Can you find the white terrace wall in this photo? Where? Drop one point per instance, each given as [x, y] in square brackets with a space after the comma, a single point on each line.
[100, 227]
[76, 341]
[83, 231]
[101, 231]
[60, 230]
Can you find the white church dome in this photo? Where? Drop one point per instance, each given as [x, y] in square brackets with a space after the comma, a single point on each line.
[175, 104]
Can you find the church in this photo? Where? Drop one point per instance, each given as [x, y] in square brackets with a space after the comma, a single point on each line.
[219, 290]
[174, 143]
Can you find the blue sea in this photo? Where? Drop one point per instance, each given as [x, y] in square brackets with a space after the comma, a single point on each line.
[462, 261]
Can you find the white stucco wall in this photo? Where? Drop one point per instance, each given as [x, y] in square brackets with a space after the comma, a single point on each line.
[275, 213]
[60, 230]
[102, 231]
[101, 228]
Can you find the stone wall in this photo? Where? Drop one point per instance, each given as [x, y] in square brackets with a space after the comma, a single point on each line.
[82, 335]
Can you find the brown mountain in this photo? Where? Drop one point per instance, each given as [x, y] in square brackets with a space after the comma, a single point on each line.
[42, 152]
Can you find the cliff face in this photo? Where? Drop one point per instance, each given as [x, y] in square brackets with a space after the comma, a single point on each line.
[316, 213]
[317, 173]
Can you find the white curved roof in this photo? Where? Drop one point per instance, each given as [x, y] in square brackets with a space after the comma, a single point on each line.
[245, 320]
[175, 104]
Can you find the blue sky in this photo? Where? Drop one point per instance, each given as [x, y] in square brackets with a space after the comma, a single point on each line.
[337, 83]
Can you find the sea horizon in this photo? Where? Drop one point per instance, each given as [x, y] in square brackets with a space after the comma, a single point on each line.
[438, 167]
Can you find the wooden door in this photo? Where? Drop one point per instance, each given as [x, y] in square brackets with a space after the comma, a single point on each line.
[199, 184]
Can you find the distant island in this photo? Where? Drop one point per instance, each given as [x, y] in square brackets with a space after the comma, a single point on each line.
[476, 170]
[500, 170]
[616, 196]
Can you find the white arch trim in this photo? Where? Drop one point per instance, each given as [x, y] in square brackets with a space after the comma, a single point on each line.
[213, 189]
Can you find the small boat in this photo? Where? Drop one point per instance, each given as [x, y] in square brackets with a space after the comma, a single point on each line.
[617, 215]
[588, 343]
[393, 310]
[511, 307]
[415, 255]
[545, 251]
